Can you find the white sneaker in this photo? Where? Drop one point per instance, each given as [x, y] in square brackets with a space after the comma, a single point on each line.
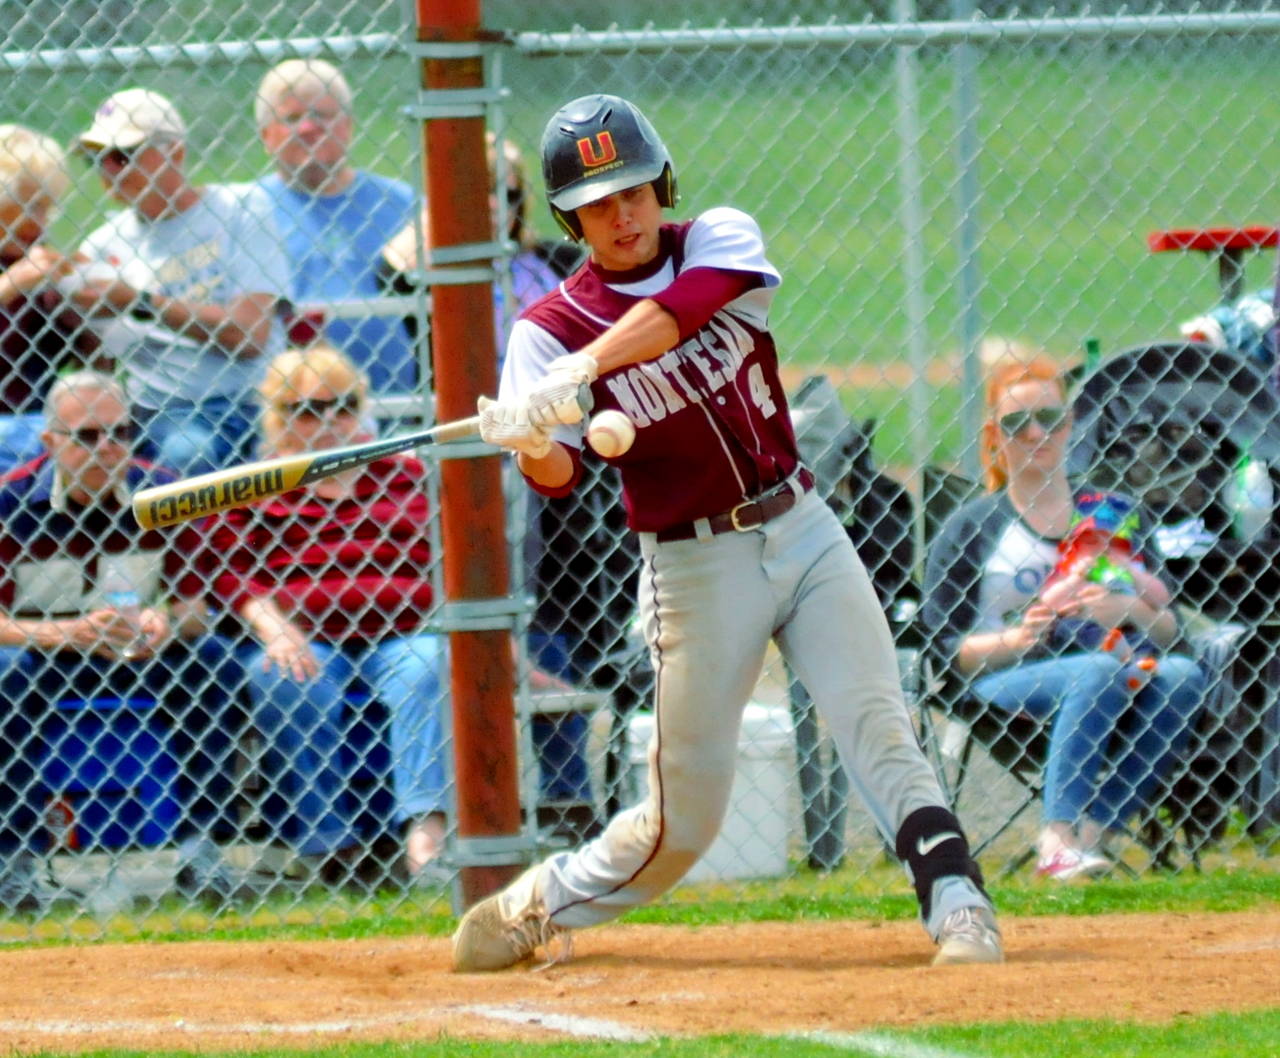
[1065, 863]
[24, 884]
[969, 935]
[507, 928]
[203, 875]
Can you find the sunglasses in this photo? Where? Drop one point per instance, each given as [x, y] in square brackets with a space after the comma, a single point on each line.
[321, 409]
[92, 436]
[115, 157]
[316, 117]
[1048, 419]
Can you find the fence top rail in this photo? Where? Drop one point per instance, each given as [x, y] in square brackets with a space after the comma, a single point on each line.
[876, 34]
[580, 41]
[217, 53]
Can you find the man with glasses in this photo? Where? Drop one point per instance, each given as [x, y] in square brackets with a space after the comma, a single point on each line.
[184, 283]
[66, 536]
[334, 218]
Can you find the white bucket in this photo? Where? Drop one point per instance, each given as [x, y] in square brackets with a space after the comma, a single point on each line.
[752, 842]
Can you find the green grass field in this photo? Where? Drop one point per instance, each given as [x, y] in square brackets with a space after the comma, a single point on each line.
[839, 896]
[1083, 151]
[1255, 1035]
[858, 891]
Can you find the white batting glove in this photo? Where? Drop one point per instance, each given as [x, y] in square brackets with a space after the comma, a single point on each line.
[508, 426]
[557, 397]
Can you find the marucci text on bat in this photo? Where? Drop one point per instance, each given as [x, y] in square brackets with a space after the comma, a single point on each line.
[216, 496]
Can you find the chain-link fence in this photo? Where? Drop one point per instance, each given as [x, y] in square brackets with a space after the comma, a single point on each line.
[214, 249]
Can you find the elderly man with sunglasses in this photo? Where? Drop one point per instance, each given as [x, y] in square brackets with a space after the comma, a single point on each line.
[66, 540]
[184, 284]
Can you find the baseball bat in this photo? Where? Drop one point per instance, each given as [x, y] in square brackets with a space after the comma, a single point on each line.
[238, 486]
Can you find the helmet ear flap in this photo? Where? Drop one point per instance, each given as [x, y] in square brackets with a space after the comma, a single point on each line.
[665, 188]
[569, 223]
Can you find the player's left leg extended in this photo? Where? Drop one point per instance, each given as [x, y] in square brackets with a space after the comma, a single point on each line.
[837, 640]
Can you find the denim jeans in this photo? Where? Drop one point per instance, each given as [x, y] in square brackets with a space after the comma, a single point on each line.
[196, 438]
[559, 741]
[1108, 746]
[21, 793]
[305, 726]
[192, 682]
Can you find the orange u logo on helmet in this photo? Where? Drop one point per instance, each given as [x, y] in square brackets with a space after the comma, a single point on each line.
[597, 150]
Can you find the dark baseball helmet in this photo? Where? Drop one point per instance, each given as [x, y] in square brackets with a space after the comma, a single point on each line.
[598, 145]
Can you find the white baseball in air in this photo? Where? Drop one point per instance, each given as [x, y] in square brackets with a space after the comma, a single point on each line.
[610, 433]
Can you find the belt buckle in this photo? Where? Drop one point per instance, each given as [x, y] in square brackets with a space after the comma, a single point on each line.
[738, 527]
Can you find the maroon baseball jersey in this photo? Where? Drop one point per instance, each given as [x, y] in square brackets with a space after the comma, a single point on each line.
[712, 426]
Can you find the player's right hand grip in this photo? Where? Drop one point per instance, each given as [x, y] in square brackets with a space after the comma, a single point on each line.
[567, 409]
[576, 408]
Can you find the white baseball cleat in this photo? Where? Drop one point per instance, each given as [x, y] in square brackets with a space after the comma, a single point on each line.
[507, 928]
[969, 935]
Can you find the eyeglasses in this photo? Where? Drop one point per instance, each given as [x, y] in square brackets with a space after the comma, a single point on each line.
[1048, 419]
[120, 433]
[348, 404]
[316, 117]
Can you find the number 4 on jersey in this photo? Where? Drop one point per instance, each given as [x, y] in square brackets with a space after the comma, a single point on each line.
[759, 390]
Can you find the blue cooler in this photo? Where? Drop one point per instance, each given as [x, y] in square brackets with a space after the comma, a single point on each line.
[111, 763]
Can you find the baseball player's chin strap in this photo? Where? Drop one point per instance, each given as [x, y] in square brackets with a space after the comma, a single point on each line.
[932, 845]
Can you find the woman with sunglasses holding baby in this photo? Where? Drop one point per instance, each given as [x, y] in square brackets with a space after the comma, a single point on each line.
[1046, 599]
[332, 582]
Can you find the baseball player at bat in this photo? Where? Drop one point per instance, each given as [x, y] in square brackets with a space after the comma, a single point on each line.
[668, 323]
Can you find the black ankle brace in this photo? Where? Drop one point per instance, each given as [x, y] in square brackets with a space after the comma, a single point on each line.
[932, 845]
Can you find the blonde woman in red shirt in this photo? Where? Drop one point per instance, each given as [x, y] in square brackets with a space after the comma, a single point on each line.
[332, 582]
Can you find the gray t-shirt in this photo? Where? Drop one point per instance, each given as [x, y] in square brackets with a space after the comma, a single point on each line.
[985, 565]
[223, 247]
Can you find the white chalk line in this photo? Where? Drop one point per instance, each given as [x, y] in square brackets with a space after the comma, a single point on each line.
[518, 1014]
[529, 1015]
[570, 1025]
[87, 1027]
[1239, 947]
[876, 1044]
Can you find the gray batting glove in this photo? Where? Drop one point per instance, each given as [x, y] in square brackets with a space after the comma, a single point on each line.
[561, 396]
[508, 426]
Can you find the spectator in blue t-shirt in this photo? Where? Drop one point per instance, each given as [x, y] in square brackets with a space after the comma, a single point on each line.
[334, 219]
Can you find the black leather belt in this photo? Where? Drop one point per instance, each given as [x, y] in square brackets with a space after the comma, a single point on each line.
[749, 514]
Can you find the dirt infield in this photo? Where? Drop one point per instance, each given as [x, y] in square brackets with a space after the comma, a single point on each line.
[630, 982]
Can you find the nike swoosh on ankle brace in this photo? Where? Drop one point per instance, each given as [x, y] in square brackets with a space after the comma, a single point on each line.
[924, 847]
